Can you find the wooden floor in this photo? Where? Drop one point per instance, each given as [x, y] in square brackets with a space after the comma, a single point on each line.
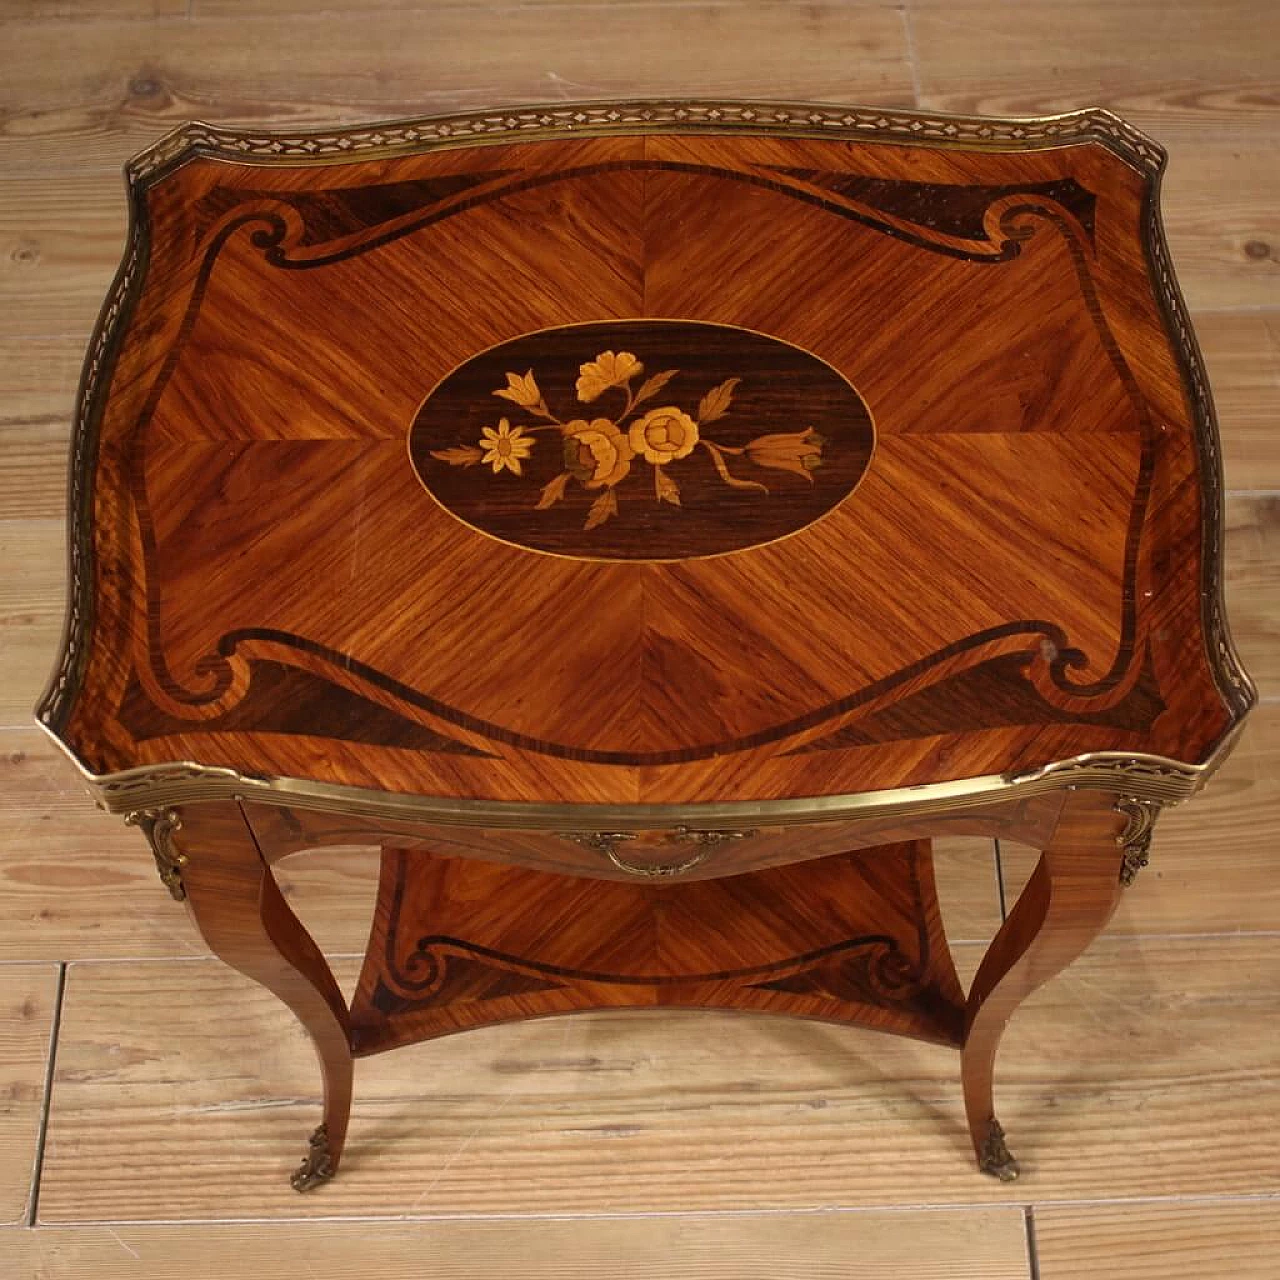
[152, 1102]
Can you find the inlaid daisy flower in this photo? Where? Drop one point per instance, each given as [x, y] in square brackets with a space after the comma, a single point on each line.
[505, 447]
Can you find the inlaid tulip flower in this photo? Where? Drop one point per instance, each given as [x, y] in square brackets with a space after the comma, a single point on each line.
[798, 451]
[521, 390]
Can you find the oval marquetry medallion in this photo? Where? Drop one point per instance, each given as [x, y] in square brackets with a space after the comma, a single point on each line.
[641, 440]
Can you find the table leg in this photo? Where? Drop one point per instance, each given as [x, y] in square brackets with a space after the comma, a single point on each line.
[1067, 902]
[238, 908]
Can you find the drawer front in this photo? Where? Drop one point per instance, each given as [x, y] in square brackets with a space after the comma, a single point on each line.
[676, 853]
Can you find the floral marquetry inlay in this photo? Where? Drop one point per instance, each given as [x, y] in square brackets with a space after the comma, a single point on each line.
[653, 435]
[599, 452]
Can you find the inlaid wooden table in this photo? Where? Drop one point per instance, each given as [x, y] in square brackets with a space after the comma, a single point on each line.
[649, 524]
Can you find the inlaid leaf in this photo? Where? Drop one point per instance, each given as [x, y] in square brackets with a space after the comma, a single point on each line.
[602, 509]
[465, 455]
[666, 487]
[715, 404]
[651, 386]
[553, 492]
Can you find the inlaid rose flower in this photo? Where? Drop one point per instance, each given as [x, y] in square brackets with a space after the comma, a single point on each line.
[664, 435]
[596, 453]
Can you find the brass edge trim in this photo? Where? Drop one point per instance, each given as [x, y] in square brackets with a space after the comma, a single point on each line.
[99, 365]
[1235, 686]
[1143, 777]
[379, 139]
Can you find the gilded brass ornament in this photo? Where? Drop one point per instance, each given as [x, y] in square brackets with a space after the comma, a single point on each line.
[995, 1157]
[158, 825]
[607, 842]
[317, 1164]
[401, 137]
[1135, 839]
[709, 839]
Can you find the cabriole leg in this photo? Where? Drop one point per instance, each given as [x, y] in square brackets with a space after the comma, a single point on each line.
[1066, 904]
[239, 910]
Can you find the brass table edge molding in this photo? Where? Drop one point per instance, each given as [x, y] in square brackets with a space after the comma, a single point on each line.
[1234, 683]
[602, 118]
[160, 786]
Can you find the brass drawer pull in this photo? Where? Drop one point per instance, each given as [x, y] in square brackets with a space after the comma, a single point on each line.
[607, 842]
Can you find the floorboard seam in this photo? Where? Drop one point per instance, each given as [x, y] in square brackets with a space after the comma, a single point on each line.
[986, 1206]
[37, 1165]
[978, 1206]
[1033, 1258]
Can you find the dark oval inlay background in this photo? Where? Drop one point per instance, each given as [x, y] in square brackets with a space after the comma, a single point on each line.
[783, 391]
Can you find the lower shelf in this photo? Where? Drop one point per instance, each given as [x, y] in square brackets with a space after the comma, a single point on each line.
[855, 938]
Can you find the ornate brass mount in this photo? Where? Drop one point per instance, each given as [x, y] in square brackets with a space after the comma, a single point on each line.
[1135, 839]
[607, 842]
[158, 825]
[317, 1164]
[995, 1157]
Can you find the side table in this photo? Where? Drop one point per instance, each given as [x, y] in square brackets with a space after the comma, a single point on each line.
[649, 524]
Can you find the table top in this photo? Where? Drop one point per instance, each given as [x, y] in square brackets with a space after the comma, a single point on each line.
[646, 454]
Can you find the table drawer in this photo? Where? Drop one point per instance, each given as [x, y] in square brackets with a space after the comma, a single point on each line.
[679, 852]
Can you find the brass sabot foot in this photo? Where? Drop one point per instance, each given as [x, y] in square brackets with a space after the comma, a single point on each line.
[995, 1157]
[317, 1164]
